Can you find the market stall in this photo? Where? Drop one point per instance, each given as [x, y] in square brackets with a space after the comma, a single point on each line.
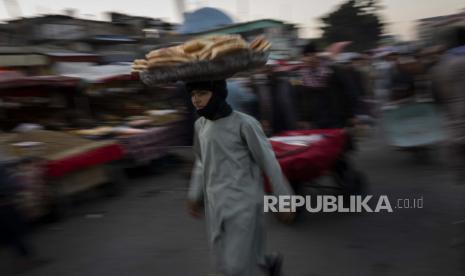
[38, 116]
[70, 132]
[53, 102]
[147, 122]
[64, 163]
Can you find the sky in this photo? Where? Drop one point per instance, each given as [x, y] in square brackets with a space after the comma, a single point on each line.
[400, 15]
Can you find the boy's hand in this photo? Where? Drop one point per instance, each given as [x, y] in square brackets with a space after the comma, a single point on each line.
[286, 217]
[304, 125]
[353, 122]
[194, 208]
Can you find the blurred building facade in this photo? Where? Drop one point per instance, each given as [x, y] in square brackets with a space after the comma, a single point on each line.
[429, 29]
[66, 38]
[37, 44]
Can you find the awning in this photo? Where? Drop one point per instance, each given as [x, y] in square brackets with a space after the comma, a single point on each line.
[103, 73]
[23, 60]
[11, 80]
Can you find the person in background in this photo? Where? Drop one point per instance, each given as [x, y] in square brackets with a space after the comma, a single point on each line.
[326, 98]
[449, 83]
[231, 150]
[354, 78]
[383, 66]
[407, 79]
[241, 97]
[13, 226]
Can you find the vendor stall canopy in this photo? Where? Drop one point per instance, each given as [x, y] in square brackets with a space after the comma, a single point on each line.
[99, 73]
[10, 79]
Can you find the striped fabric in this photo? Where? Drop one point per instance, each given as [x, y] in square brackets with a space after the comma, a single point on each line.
[315, 78]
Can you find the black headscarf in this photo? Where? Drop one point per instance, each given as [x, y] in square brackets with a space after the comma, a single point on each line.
[310, 48]
[217, 107]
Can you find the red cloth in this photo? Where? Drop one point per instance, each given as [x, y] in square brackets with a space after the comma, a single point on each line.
[58, 168]
[304, 163]
[12, 80]
[127, 77]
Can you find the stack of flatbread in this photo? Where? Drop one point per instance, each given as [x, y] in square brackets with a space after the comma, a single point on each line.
[139, 65]
[201, 49]
[206, 58]
[168, 57]
[260, 44]
[211, 47]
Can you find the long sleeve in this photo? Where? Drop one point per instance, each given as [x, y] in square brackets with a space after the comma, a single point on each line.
[263, 155]
[197, 180]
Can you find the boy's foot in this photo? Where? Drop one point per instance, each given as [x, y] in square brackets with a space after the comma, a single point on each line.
[274, 264]
[30, 263]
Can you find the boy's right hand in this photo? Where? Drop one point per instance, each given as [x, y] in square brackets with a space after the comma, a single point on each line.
[286, 217]
[194, 208]
[303, 125]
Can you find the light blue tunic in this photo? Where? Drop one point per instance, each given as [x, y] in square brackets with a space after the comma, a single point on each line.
[231, 154]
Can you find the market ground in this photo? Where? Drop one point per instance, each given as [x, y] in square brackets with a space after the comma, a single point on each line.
[146, 230]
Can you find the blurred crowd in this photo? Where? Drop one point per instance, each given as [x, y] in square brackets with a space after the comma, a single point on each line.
[328, 90]
[325, 89]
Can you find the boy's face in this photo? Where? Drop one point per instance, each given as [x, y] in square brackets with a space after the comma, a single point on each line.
[200, 98]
